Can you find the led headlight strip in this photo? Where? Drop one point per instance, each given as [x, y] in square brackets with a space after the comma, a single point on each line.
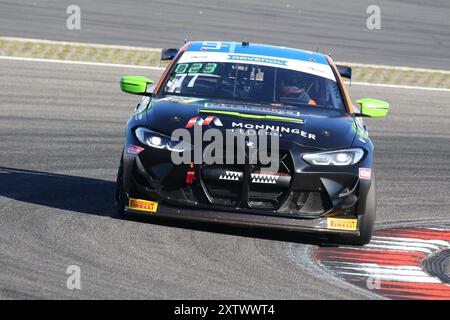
[345, 157]
[159, 141]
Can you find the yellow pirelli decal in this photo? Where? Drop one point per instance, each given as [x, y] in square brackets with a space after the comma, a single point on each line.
[342, 224]
[142, 205]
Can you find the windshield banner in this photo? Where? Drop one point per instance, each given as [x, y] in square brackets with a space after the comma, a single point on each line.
[317, 69]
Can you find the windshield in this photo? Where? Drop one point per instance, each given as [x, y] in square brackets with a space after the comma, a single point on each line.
[253, 83]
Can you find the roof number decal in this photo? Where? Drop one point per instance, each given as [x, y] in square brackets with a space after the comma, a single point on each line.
[212, 45]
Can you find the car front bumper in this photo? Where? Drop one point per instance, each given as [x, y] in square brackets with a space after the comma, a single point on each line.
[318, 226]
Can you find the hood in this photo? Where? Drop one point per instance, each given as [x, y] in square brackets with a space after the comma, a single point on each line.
[308, 126]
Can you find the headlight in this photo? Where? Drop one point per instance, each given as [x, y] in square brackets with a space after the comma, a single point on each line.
[155, 142]
[159, 141]
[335, 158]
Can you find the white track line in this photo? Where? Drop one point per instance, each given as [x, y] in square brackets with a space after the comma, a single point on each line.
[407, 244]
[99, 64]
[413, 240]
[81, 44]
[398, 248]
[397, 86]
[399, 68]
[403, 273]
[397, 278]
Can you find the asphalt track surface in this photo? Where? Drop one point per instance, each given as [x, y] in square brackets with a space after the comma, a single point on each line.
[61, 130]
[413, 33]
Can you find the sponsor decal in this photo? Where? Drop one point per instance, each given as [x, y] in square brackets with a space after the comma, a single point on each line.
[142, 205]
[199, 121]
[255, 116]
[231, 176]
[272, 128]
[257, 59]
[365, 173]
[274, 108]
[321, 70]
[134, 150]
[180, 99]
[342, 224]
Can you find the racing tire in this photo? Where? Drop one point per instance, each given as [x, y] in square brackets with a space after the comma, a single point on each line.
[366, 220]
[120, 195]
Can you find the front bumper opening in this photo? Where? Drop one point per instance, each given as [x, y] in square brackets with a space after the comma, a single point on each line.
[252, 189]
[307, 203]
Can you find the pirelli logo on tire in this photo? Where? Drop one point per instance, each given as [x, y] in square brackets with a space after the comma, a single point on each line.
[342, 224]
[142, 205]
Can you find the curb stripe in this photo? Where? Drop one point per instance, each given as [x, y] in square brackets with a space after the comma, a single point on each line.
[395, 264]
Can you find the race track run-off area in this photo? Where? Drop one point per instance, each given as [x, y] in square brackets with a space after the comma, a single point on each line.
[62, 129]
[399, 263]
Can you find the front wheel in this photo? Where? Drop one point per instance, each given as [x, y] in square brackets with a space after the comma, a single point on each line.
[120, 195]
[366, 221]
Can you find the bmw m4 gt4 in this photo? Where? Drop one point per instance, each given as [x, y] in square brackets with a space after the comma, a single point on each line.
[251, 135]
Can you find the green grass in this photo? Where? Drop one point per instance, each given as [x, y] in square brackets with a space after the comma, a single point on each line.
[63, 54]
[91, 54]
[50, 51]
[12, 49]
[129, 56]
[388, 76]
[26, 48]
[143, 56]
[104, 55]
[77, 53]
[38, 50]
[118, 55]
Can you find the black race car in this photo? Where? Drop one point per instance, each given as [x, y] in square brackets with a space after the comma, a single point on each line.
[194, 145]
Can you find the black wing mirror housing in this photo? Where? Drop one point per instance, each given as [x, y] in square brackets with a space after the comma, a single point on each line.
[344, 71]
[168, 54]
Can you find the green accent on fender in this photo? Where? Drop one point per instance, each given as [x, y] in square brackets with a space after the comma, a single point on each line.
[373, 107]
[254, 116]
[359, 132]
[135, 84]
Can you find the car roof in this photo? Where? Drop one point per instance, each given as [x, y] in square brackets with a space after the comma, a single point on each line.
[257, 49]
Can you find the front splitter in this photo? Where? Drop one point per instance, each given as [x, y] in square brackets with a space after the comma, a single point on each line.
[315, 226]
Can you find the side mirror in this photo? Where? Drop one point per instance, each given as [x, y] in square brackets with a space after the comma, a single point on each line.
[344, 71]
[168, 54]
[135, 85]
[373, 108]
